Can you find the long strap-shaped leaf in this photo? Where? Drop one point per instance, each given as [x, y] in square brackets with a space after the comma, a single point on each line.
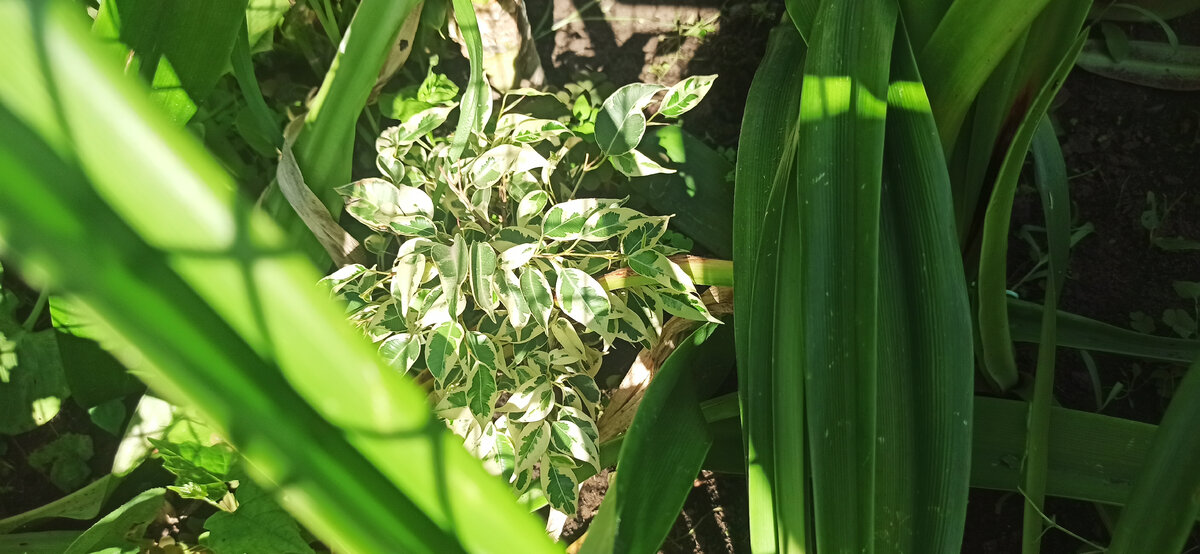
[925, 377]
[1051, 177]
[664, 448]
[476, 102]
[764, 174]
[994, 339]
[840, 160]
[251, 335]
[1162, 510]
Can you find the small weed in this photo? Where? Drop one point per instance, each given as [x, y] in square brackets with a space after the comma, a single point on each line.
[1154, 219]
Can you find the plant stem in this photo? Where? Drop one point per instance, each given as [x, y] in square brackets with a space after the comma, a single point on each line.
[36, 312]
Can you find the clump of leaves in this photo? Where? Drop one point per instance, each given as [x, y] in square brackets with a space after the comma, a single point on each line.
[65, 460]
[485, 284]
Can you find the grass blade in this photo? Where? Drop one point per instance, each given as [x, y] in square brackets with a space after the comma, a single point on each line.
[834, 308]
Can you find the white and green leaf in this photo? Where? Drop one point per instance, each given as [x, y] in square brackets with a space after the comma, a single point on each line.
[685, 95]
[636, 164]
[582, 298]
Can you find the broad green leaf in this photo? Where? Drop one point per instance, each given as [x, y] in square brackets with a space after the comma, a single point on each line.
[565, 221]
[416, 126]
[685, 305]
[1187, 289]
[536, 290]
[685, 95]
[609, 222]
[582, 298]
[257, 525]
[481, 391]
[636, 164]
[620, 123]
[407, 276]
[453, 265]
[516, 257]
[531, 445]
[64, 460]
[119, 528]
[531, 206]
[84, 503]
[560, 486]
[643, 235]
[651, 263]
[533, 401]
[443, 348]
[503, 160]
[36, 386]
[513, 299]
[483, 271]
[401, 351]
[383, 206]
[567, 437]
[532, 131]
[485, 351]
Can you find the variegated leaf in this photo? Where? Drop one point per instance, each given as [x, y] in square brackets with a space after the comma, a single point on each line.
[407, 276]
[609, 222]
[637, 164]
[685, 95]
[650, 263]
[401, 351]
[442, 351]
[559, 485]
[482, 392]
[565, 221]
[483, 270]
[536, 290]
[582, 298]
[531, 206]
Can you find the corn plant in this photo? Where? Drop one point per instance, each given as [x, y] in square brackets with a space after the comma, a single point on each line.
[498, 225]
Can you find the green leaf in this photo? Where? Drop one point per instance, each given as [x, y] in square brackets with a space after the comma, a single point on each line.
[567, 437]
[485, 351]
[257, 525]
[453, 265]
[36, 385]
[685, 305]
[532, 131]
[517, 256]
[416, 126]
[608, 223]
[620, 123]
[502, 160]
[565, 221]
[531, 445]
[122, 527]
[1187, 289]
[476, 103]
[407, 276]
[383, 206]
[200, 470]
[64, 460]
[1179, 321]
[109, 415]
[401, 351]
[685, 95]
[582, 298]
[636, 164]
[531, 206]
[482, 392]
[82, 504]
[483, 271]
[560, 486]
[442, 351]
[651, 263]
[93, 374]
[536, 290]
[513, 299]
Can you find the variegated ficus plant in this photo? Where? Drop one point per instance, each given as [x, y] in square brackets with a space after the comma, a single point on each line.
[488, 282]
